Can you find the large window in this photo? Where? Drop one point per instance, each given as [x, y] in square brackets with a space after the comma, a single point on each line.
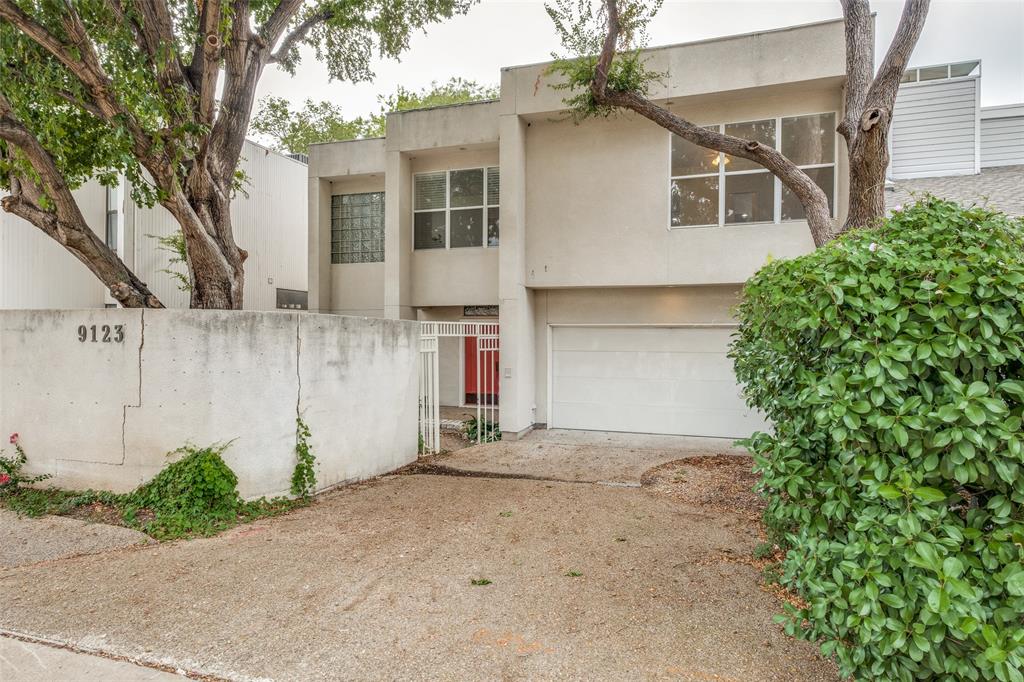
[453, 209]
[708, 188]
[357, 228]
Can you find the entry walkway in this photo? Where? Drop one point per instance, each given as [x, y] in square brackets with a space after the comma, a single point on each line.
[583, 456]
[22, 661]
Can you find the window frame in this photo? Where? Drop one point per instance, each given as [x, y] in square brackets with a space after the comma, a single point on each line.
[776, 183]
[383, 252]
[447, 210]
[112, 211]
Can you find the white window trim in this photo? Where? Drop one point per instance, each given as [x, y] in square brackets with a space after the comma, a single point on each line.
[448, 208]
[777, 184]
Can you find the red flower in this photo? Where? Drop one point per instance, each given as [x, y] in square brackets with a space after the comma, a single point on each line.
[14, 439]
[4, 479]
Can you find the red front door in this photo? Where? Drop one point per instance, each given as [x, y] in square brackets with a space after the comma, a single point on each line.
[489, 375]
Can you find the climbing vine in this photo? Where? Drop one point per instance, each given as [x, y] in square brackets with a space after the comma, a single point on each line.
[304, 476]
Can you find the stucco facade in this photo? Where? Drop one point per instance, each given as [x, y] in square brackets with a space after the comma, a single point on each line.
[586, 210]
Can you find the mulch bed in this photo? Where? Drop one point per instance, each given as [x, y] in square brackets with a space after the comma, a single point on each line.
[715, 482]
[721, 483]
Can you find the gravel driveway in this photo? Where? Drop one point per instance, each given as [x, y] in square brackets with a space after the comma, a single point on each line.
[374, 582]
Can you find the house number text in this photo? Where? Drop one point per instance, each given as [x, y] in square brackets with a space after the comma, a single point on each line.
[101, 333]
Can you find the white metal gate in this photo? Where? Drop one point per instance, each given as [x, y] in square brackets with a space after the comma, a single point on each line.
[485, 426]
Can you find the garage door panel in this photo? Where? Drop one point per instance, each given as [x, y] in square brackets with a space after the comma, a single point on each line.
[674, 380]
[685, 422]
[623, 392]
[651, 339]
[657, 365]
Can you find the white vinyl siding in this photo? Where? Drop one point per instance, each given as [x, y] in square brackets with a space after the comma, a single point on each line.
[935, 129]
[1002, 141]
[670, 380]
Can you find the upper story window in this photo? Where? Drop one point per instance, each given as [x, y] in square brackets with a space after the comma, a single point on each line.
[709, 188]
[940, 72]
[456, 208]
[357, 228]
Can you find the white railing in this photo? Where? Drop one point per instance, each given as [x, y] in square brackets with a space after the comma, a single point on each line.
[487, 379]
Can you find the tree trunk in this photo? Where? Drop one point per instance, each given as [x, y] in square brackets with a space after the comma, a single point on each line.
[869, 159]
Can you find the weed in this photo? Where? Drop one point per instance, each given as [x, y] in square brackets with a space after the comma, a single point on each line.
[573, 574]
[479, 582]
[505, 514]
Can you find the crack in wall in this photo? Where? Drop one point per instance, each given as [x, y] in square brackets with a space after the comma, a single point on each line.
[124, 407]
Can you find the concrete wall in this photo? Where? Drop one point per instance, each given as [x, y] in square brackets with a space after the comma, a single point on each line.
[105, 414]
[634, 306]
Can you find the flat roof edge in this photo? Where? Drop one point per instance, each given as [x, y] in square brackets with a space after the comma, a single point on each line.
[716, 39]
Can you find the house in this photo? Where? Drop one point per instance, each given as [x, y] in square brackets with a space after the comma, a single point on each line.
[609, 253]
[945, 143]
[269, 220]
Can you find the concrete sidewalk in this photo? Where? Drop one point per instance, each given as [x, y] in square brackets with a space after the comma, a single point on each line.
[581, 456]
[22, 661]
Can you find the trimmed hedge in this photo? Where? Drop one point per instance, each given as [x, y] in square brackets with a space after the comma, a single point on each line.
[890, 362]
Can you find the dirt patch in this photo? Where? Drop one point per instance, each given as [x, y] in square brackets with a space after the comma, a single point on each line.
[712, 482]
[377, 580]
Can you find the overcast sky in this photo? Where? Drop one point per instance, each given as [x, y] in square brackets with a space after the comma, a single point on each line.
[497, 33]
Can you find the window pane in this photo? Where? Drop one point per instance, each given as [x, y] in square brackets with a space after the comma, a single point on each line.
[467, 188]
[909, 76]
[112, 230]
[749, 198]
[428, 230]
[933, 73]
[695, 201]
[965, 69]
[357, 228]
[690, 159]
[809, 139]
[493, 186]
[792, 209]
[467, 228]
[492, 227]
[760, 131]
[429, 190]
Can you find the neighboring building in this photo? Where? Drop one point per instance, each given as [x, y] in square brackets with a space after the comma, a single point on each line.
[268, 217]
[945, 143]
[610, 252]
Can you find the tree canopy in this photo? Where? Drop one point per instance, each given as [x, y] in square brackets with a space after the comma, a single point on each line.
[293, 130]
[161, 92]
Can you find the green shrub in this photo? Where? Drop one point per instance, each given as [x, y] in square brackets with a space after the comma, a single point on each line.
[890, 363]
[196, 494]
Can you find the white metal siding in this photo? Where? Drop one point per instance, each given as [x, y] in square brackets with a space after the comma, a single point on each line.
[269, 223]
[1002, 141]
[37, 272]
[672, 380]
[935, 129]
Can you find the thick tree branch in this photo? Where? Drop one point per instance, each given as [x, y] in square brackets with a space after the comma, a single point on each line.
[604, 62]
[275, 26]
[882, 92]
[65, 222]
[860, 64]
[299, 34]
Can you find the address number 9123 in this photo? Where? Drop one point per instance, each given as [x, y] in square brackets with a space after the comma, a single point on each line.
[101, 333]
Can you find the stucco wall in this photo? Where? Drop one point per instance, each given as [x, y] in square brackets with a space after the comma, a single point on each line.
[105, 414]
[597, 201]
[633, 306]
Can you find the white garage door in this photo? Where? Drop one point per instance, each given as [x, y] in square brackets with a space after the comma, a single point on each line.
[672, 380]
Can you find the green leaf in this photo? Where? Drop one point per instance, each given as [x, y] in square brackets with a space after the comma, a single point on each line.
[889, 492]
[929, 494]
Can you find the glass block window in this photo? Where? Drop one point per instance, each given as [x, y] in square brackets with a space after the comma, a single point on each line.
[707, 188]
[357, 228]
[455, 209]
